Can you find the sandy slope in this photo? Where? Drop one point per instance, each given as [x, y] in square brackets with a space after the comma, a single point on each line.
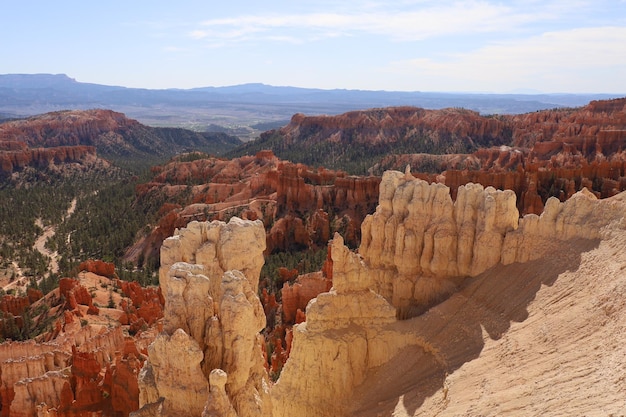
[546, 337]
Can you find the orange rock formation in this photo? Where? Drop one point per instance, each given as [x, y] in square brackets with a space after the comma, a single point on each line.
[300, 206]
[85, 366]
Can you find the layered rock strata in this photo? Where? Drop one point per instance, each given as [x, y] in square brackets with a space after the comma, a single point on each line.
[210, 348]
[419, 248]
[14, 160]
[419, 242]
[300, 206]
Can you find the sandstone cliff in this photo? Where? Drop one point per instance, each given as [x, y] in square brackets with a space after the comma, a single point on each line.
[208, 359]
[419, 249]
[419, 241]
[536, 337]
[15, 160]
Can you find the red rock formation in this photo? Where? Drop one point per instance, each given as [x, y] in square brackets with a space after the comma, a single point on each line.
[556, 149]
[124, 384]
[286, 274]
[146, 305]
[296, 297]
[43, 157]
[84, 368]
[556, 153]
[279, 357]
[300, 206]
[12, 309]
[391, 124]
[33, 295]
[86, 379]
[446, 128]
[98, 267]
[76, 294]
[65, 128]
[14, 305]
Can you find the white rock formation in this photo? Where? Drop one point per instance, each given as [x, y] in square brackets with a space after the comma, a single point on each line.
[419, 244]
[416, 249]
[209, 276]
[344, 336]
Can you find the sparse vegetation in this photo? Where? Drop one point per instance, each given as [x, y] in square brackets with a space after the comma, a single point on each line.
[304, 261]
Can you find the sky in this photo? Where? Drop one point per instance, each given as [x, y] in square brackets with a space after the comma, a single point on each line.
[549, 46]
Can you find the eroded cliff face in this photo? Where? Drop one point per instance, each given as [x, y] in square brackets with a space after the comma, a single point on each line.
[208, 359]
[420, 243]
[60, 134]
[67, 375]
[59, 138]
[300, 206]
[444, 128]
[419, 249]
[67, 128]
[16, 160]
[450, 129]
[550, 153]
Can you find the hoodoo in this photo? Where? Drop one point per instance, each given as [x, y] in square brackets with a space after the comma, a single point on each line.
[436, 287]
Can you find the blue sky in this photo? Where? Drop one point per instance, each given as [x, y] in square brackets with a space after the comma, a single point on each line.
[574, 46]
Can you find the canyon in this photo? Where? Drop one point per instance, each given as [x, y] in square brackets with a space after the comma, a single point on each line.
[537, 155]
[470, 283]
[436, 285]
[300, 207]
[540, 155]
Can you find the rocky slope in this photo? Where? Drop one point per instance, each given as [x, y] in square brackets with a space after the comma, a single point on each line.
[468, 269]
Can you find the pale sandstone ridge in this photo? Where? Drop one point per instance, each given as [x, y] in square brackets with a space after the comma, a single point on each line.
[419, 248]
[541, 333]
[345, 335]
[209, 348]
[419, 242]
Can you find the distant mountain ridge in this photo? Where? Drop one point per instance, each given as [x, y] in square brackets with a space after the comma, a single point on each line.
[246, 104]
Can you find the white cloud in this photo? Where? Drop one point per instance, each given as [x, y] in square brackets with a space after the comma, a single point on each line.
[418, 21]
[569, 60]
